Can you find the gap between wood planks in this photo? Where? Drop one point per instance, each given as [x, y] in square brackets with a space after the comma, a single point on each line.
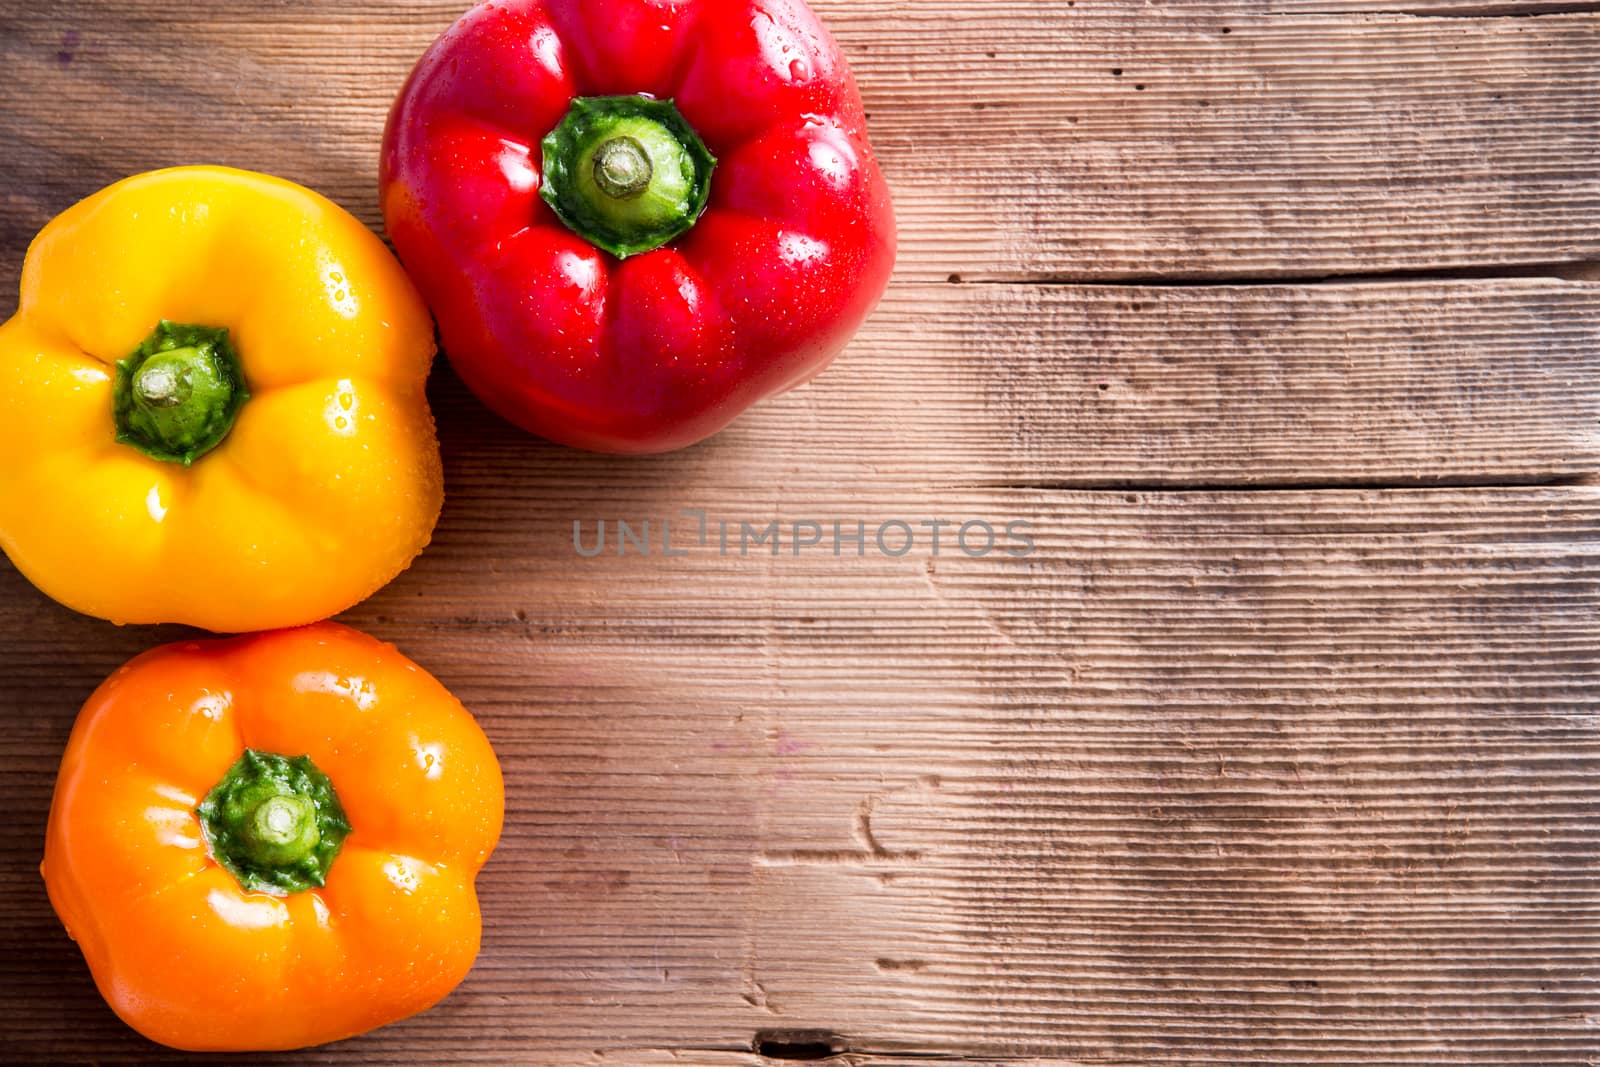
[1577, 270]
[1352, 485]
[1468, 11]
[824, 1045]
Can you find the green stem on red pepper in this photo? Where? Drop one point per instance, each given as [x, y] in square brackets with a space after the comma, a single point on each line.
[177, 395]
[275, 823]
[626, 173]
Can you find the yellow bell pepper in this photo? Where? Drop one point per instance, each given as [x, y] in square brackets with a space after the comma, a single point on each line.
[212, 407]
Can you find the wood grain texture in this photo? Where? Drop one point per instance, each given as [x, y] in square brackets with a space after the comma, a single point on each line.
[1087, 141]
[1279, 778]
[1263, 778]
[1468, 382]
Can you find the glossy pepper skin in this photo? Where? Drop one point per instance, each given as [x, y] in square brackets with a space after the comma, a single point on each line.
[659, 349]
[307, 474]
[180, 949]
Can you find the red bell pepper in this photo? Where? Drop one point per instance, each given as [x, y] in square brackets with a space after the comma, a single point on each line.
[635, 218]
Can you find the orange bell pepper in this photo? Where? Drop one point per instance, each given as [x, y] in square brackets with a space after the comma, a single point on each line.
[270, 842]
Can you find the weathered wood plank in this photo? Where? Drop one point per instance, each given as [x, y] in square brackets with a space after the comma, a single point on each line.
[1099, 142]
[1276, 778]
[1485, 382]
[1091, 141]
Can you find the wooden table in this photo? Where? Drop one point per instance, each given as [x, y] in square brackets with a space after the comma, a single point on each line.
[1277, 320]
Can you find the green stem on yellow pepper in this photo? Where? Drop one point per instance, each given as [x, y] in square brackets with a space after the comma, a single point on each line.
[176, 397]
